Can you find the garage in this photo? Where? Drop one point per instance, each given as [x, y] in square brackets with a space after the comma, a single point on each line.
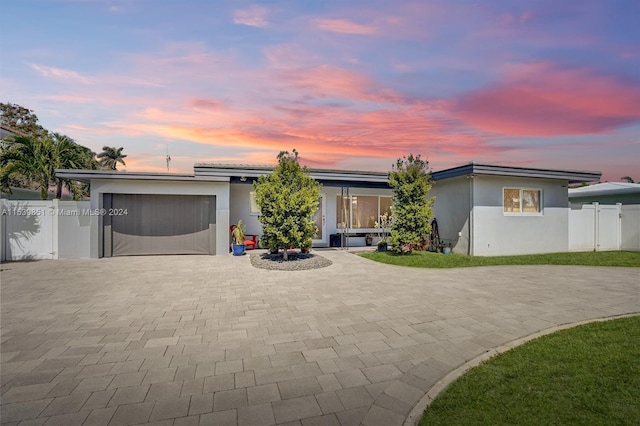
[154, 224]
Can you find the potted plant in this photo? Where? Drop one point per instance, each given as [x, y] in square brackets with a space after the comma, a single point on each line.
[368, 239]
[445, 247]
[238, 238]
[383, 231]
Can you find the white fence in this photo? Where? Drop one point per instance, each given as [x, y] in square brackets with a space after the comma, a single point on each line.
[61, 229]
[598, 227]
[48, 229]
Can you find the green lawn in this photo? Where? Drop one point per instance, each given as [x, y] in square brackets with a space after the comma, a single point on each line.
[588, 375]
[453, 260]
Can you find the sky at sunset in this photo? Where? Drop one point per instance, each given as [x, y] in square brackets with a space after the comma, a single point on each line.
[349, 84]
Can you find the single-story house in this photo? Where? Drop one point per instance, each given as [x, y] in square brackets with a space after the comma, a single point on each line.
[489, 210]
[606, 193]
[481, 209]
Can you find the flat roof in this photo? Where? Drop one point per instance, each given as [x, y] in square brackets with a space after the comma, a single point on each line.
[253, 171]
[573, 176]
[219, 172]
[606, 188]
[87, 175]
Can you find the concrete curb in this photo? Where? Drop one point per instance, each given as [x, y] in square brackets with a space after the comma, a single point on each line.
[416, 413]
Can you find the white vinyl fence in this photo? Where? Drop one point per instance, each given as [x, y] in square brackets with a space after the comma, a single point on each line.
[48, 229]
[598, 227]
[56, 229]
[630, 227]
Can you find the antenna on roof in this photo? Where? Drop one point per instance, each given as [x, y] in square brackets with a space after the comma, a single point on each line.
[168, 158]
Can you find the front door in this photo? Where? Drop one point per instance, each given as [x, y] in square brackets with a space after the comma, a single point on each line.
[321, 237]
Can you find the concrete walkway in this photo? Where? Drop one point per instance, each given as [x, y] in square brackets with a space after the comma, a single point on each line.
[199, 340]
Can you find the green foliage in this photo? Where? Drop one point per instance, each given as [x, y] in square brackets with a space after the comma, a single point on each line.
[437, 260]
[288, 199]
[238, 233]
[110, 157]
[30, 158]
[411, 208]
[588, 375]
[36, 159]
[21, 119]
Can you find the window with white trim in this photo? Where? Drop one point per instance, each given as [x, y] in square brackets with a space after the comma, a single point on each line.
[521, 200]
[361, 211]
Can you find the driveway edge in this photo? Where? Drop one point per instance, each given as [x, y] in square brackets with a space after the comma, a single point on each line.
[416, 413]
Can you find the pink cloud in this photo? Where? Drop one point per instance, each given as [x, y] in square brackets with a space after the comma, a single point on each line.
[253, 16]
[344, 26]
[62, 74]
[325, 81]
[543, 100]
[205, 104]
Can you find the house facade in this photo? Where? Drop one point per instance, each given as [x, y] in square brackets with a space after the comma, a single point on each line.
[481, 209]
[489, 210]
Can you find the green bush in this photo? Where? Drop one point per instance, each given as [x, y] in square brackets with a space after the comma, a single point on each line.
[288, 199]
[412, 208]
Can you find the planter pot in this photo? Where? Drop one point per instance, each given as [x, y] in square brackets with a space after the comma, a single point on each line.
[382, 247]
[238, 249]
[446, 250]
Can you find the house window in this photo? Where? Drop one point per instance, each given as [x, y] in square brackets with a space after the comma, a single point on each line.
[518, 200]
[255, 210]
[361, 211]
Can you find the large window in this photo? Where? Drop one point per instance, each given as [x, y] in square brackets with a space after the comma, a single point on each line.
[518, 200]
[361, 211]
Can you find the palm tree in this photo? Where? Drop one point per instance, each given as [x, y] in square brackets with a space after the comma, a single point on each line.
[110, 157]
[35, 160]
[67, 154]
[23, 158]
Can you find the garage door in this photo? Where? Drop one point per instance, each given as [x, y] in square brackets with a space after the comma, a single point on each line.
[149, 224]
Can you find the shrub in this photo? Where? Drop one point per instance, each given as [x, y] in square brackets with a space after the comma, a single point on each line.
[410, 181]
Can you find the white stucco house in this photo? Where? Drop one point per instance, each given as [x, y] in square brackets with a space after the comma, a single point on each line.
[481, 209]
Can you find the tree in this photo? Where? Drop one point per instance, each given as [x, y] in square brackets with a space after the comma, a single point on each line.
[627, 179]
[36, 160]
[21, 119]
[411, 207]
[67, 154]
[110, 157]
[288, 199]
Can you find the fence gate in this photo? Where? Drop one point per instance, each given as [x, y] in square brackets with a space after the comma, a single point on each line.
[595, 227]
[609, 221]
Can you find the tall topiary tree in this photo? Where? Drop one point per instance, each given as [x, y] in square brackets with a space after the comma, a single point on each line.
[411, 208]
[288, 199]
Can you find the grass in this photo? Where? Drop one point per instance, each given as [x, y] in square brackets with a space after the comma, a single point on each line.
[586, 375]
[453, 260]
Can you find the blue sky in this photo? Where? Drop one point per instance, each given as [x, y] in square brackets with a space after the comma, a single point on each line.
[349, 84]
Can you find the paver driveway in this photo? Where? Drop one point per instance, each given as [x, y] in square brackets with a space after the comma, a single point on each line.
[211, 340]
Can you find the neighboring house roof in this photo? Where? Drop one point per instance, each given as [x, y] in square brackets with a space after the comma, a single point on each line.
[572, 176]
[607, 188]
[333, 177]
[8, 131]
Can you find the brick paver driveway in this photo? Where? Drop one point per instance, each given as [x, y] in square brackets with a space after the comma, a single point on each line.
[211, 340]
